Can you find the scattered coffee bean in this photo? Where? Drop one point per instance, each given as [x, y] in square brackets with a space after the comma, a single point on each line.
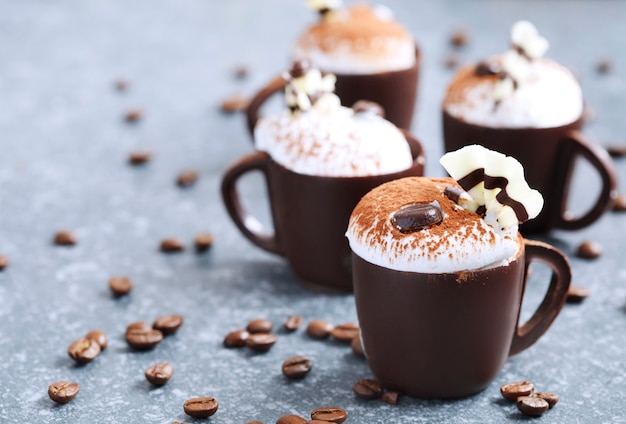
[241, 71]
[259, 326]
[138, 326]
[296, 367]
[316, 422]
[139, 157]
[187, 178]
[512, 391]
[368, 389]
[133, 115]
[391, 397]
[293, 322]
[459, 38]
[203, 242]
[357, 346]
[63, 391]
[83, 350]
[532, 406]
[319, 329]
[236, 338]
[120, 286]
[64, 238]
[99, 337]
[234, 103]
[142, 339]
[451, 61]
[254, 422]
[576, 294]
[168, 324]
[159, 373]
[171, 245]
[200, 407]
[551, 398]
[329, 414]
[122, 84]
[617, 151]
[604, 66]
[345, 332]
[619, 203]
[291, 419]
[589, 250]
[4, 262]
[261, 342]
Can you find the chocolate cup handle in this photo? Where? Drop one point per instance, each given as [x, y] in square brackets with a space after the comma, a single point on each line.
[528, 333]
[252, 111]
[246, 223]
[576, 146]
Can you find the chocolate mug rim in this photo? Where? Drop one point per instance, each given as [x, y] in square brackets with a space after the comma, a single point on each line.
[577, 122]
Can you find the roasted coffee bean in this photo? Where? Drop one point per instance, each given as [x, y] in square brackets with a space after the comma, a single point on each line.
[254, 422]
[617, 151]
[203, 242]
[139, 157]
[357, 346]
[368, 107]
[532, 406]
[259, 326]
[512, 391]
[64, 238]
[138, 326]
[159, 373]
[345, 332]
[296, 367]
[459, 38]
[140, 339]
[576, 294]
[391, 397]
[417, 216]
[171, 245]
[63, 391]
[120, 286]
[83, 350]
[604, 66]
[589, 250]
[236, 338]
[316, 422]
[551, 398]
[234, 103]
[99, 337]
[319, 329]
[241, 71]
[290, 419]
[133, 115]
[187, 178]
[293, 322]
[200, 407]
[121, 84]
[4, 262]
[168, 324]
[619, 203]
[368, 389]
[329, 414]
[261, 342]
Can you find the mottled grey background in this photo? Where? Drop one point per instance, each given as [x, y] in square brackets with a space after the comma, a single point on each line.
[63, 150]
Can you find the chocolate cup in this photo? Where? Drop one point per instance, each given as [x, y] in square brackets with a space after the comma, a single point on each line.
[395, 91]
[310, 216]
[438, 336]
[548, 156]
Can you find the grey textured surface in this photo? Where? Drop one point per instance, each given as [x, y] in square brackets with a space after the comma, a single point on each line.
[63, 165]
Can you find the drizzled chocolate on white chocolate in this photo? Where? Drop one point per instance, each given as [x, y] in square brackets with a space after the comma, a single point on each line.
[325, 8]
[308, 88]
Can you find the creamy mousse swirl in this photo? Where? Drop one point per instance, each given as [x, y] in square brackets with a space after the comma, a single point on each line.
[461, 241]
[340, 143]
[549, 97]
[358, 40]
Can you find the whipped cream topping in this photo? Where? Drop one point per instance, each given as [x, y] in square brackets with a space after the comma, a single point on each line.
[358, 40]
[461, 242]
[338, 144]
[549, 97]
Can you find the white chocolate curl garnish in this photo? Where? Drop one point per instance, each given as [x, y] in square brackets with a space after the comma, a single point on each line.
[326, 8]
[496, 182]
[528, 45]
[310, 89]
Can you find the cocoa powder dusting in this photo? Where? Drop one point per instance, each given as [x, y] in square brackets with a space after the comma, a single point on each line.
[463, 80]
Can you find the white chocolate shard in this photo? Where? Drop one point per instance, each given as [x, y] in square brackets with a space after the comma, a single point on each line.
[310, 89]
[495, 181]
[503, 89]
[525, 36]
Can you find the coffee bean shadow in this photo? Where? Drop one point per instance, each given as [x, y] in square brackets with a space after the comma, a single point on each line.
[119, 301]
[146, 387]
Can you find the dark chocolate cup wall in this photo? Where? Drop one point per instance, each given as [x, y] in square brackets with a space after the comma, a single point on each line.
[437, 335]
